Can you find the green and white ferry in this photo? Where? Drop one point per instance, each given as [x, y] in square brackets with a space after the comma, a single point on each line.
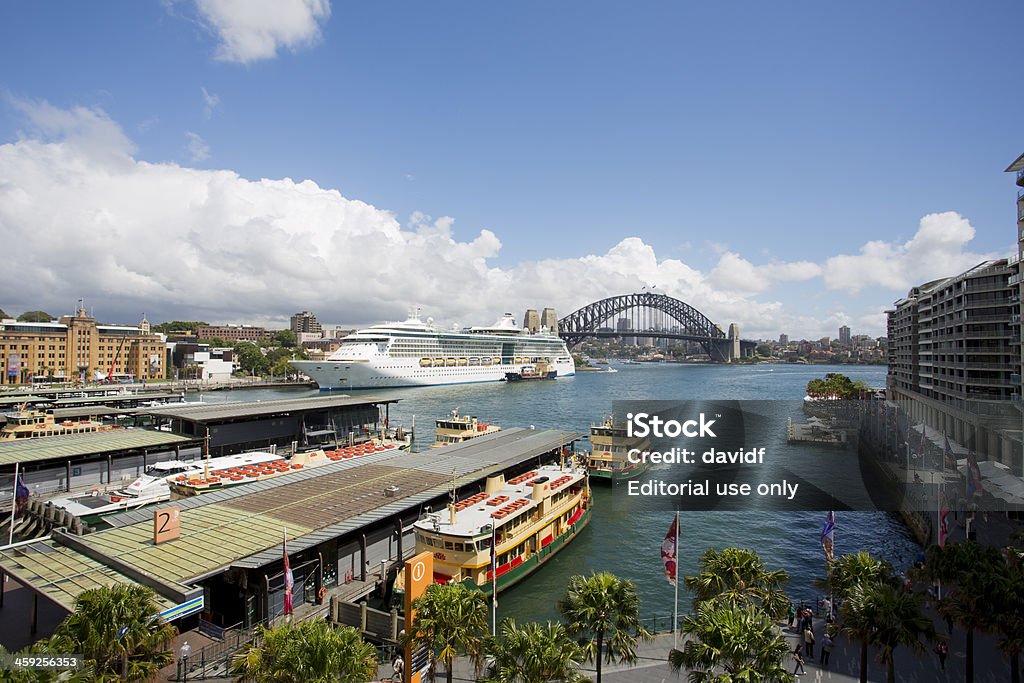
[530, 518]
[610, 445]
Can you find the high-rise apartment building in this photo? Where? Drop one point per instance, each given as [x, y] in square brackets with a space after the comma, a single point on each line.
[844, 336]
[954, 350]
[305, 322]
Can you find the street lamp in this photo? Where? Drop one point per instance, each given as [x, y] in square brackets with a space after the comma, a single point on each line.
[185, 651]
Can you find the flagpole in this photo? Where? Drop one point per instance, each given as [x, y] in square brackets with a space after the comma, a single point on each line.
[675, 611]
[14, 506]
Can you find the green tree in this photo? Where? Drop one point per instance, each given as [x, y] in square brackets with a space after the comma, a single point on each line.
[1006, 612]
[533, 653]
[604, 611]
[902, 622]
[847, 571]
[44, 647]
[973, 582]
[313, 651]
[35, 317]
[2, 316]
[738, 576]
[451, 621]
[763, 350]
[285, 338]
[731, 644]
[118, 630]
[251, 360]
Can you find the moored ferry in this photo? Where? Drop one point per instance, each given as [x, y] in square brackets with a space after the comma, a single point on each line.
[530, 518]
[415, 353]
[458, 428]
[610, 445]
[35, 424]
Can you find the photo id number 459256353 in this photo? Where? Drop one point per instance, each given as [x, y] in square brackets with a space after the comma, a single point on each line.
[16, 662]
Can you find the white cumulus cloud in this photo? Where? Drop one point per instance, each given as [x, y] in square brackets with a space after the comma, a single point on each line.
[89, 219]
[937, 249]
[251, 30]
[735, 273]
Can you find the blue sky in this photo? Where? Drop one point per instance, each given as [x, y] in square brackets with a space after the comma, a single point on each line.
[746, 146]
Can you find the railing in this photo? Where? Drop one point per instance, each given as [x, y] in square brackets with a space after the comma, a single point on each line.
[214, 660]
[662, 623]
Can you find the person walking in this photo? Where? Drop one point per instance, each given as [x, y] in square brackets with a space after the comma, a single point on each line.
[791, 615]
[942, 650]
[809, 643]
[799, 662]
[398, 668]
[826, 649]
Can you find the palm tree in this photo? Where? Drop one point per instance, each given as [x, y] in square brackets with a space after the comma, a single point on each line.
[451, 620]
[975, 578]
[847, 571]
[859, 619]
[1007, 619]
[311, 650]
[533, 653]
[604, 611]
[43, 647]
[730, 644]
[738, 577]
[119, 631]
[903, 624]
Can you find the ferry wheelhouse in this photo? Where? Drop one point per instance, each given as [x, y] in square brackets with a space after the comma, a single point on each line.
[610, 445]
[530, 518]
[458, 428]
[415, 353]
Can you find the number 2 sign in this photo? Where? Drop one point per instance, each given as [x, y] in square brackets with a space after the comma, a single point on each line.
[166, 524]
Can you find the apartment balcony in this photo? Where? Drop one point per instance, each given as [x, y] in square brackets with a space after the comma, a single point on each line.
[1020, 180]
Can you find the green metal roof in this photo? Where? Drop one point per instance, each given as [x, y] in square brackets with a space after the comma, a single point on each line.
[61, 573]
[78, 445]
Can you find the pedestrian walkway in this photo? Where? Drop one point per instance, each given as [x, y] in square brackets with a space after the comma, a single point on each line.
[652, 663]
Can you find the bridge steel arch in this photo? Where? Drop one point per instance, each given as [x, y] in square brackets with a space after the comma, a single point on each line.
[590, 321]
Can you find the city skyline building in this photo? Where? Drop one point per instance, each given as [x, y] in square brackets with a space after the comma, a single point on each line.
[305, 322]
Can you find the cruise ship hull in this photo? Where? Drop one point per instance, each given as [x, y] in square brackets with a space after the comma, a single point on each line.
[344, 375]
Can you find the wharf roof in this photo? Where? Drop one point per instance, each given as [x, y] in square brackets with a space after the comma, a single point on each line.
[62, 573]
[242, 526]
[220, 412]
[18, 399]
[116, 398]
[80, 445]
[85, 411]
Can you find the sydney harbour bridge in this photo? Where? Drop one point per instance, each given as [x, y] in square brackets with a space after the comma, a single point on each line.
[647, 315]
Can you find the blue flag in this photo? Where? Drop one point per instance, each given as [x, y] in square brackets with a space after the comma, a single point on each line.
[828, 535]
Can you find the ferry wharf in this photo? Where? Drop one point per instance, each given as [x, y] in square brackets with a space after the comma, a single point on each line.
[62, 464]
[343, 520]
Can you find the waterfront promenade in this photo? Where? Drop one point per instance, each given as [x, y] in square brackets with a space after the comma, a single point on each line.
[652, 663]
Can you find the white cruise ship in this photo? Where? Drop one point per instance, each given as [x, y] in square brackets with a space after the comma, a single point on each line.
[415, 353]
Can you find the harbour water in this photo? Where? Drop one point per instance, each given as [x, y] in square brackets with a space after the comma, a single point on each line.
[627, 541]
